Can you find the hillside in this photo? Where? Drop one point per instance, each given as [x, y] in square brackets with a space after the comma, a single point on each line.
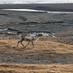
[33, 21]
[44, 52]
[49, 55]
[46, 56]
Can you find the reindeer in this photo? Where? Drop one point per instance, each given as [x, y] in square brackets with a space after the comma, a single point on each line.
[29, 38]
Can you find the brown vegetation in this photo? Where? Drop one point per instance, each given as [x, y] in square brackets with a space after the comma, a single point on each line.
[35, 68]
[41, 47]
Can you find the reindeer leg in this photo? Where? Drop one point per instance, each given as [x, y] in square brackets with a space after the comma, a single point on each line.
[22, 43]
[32, 43]
[18, 43]
[27, 44]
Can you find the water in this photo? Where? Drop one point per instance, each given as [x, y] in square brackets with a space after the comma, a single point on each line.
[24, 10]
[37, 10]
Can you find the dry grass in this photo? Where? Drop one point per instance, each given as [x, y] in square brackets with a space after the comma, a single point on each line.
[36, 68]
[40, 46]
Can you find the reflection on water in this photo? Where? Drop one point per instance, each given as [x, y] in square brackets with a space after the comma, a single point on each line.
[36, 10]
[25, 10]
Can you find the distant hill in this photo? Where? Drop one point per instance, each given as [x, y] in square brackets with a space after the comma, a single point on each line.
[47, 7]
